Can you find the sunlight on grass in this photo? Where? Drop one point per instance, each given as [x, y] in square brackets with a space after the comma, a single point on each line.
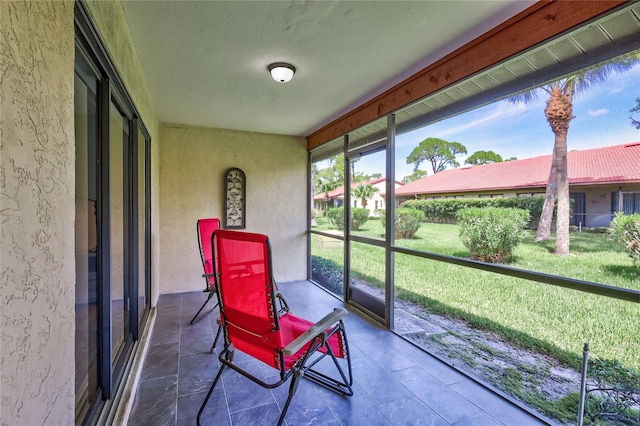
[549, 319]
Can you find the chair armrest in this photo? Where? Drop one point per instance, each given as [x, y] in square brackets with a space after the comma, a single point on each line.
[317, 328]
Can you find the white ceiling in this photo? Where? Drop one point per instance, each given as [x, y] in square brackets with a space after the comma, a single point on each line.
[205, 62]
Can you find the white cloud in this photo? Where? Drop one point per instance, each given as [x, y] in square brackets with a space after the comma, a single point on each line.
[499, 111]
[597, 112]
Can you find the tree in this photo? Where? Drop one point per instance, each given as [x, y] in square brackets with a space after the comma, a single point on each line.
[328, 178]
[635, 122]
[483, 157]
[438, 152]
[364, 193]
[417, 174]
[324, 188]
[559, 112]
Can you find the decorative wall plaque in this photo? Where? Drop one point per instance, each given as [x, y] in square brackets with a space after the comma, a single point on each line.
[235, 189]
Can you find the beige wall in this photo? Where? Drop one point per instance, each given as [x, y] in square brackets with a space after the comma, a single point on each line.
[192, 164]
[37, 285]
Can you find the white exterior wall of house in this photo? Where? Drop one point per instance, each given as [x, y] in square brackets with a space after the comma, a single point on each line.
[598, 207]
[377, 199]
[598, 204]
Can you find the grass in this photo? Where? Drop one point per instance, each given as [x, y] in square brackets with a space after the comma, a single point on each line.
[548, 319]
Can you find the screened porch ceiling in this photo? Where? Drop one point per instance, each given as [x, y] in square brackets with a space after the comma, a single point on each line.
[206, 62]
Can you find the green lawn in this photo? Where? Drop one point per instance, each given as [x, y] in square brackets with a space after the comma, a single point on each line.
[546, 318]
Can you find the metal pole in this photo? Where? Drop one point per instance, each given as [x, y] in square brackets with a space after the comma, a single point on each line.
[620, 200]
[583, 382]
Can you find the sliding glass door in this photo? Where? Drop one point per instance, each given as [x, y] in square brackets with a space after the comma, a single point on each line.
[112, 239]
[365, 209]
[86, 239]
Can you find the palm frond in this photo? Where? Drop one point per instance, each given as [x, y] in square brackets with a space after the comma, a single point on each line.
[599, 74]
[524, 97]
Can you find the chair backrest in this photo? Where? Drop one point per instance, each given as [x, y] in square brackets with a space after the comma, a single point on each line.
[247, 294]
[205, 232]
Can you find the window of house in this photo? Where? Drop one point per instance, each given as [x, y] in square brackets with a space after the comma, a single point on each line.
[629, 203]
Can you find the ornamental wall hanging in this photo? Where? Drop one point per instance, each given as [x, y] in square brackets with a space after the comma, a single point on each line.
[235, 189]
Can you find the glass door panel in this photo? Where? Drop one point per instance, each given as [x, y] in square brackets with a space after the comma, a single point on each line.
[142, 264]
[327, 263]
[365, 213]
[367, 277]
[367, 194]
[327, 220]
[119, 139]
[86, 241]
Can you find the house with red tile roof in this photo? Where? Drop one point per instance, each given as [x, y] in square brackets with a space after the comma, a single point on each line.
[336, 196]
[602, 181]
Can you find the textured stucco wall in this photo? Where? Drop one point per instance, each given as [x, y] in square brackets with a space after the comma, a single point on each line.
[111, 24]
[192, 165]
[37, 204]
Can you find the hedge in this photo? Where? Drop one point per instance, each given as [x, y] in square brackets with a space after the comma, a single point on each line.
[445, 211]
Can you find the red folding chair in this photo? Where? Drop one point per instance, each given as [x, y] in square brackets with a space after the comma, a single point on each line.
[256, 320]
[205, 228]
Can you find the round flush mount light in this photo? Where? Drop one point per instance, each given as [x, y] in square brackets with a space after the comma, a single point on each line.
[281, 71]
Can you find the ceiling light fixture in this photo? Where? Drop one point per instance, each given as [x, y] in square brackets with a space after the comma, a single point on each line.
[281, 71]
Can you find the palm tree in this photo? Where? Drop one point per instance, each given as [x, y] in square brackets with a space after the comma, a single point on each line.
[559, 112]
[364, 192]
[324, 188]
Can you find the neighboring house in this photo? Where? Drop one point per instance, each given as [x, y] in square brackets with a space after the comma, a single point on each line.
[336, 196]
[602, 181]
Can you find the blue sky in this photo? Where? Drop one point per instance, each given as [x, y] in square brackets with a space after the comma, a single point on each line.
[601, 119]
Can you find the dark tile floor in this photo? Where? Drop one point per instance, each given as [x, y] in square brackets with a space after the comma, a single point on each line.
[395, 382]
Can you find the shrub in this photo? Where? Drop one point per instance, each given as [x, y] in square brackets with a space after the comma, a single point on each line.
[491, 233]
[336, 217]
[614, 394]
[358, 217]
[626, 228]
[407, 222]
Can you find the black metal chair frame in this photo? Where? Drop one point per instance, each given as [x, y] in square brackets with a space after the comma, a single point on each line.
[211, 281]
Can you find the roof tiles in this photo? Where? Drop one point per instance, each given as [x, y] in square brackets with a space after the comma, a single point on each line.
[612, 164]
